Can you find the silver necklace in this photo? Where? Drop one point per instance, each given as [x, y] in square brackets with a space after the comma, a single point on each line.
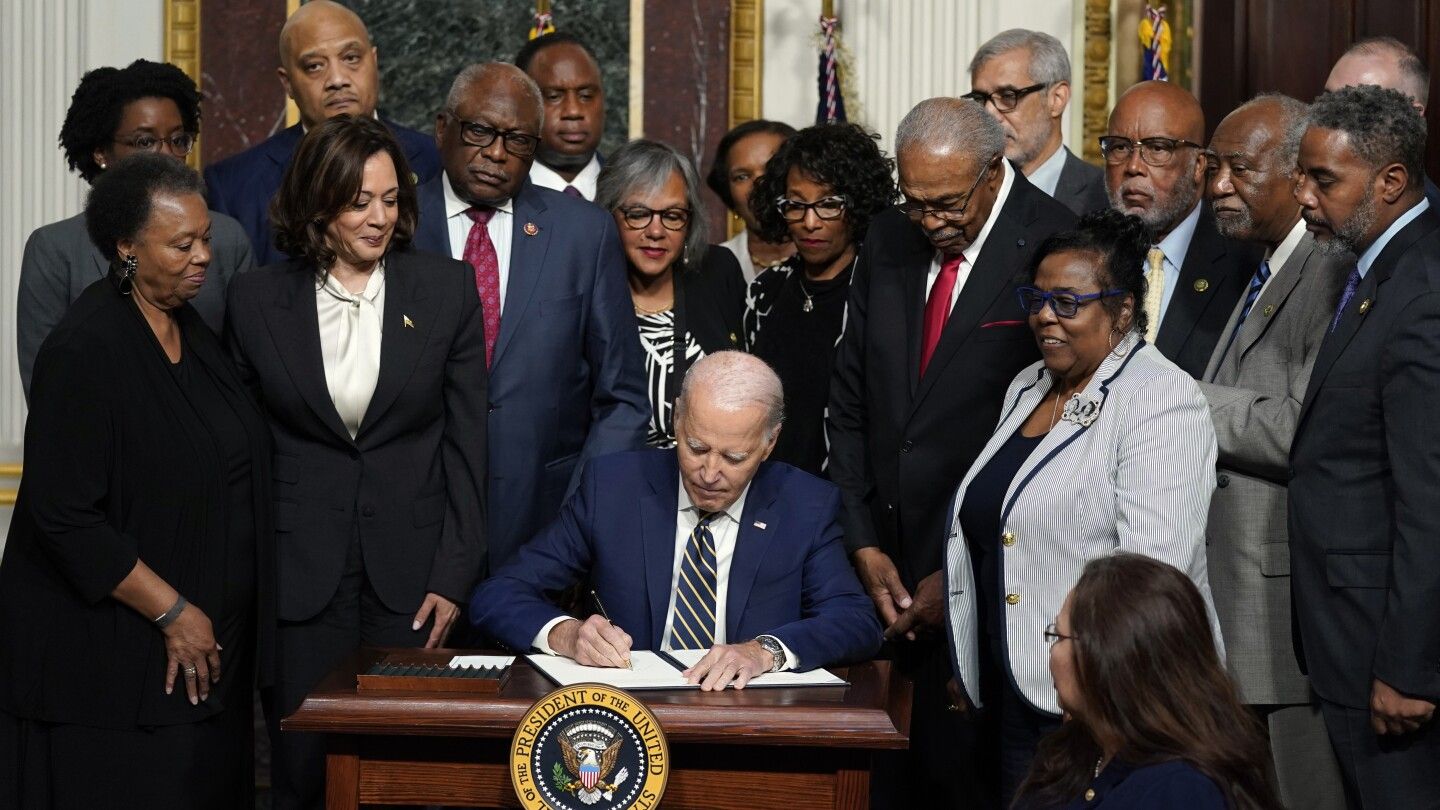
[809, 305]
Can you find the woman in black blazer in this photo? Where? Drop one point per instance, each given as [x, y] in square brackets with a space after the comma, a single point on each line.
[138, 569]
[1153, 721]
[687, 294]
[370, 362]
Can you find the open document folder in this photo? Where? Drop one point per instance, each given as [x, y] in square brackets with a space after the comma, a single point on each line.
[662, 670]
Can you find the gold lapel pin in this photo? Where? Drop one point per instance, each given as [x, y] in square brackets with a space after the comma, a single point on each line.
[414, 178]
[1269, 310]
[1365, 305]
[531, 229]
[1201, 285]
[409, 324]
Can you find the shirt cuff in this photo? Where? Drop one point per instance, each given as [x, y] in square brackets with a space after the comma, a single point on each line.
[542, 639]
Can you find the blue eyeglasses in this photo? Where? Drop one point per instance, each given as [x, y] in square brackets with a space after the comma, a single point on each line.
[1063, 304]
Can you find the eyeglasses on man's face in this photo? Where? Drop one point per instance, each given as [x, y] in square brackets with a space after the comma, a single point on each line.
[1156, 152]
[1006, 99]
[638, 217]
[794, 210]
[1063, 304]
[180, 143]
[916, 213]
[473, 133]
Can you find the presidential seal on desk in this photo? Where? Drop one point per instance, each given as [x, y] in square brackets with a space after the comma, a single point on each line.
[589, 747]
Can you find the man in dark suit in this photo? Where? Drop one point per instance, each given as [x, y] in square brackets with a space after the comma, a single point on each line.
[1254, 383]
[1155, 169]
[1365, 461]
[328, 67]
[574, 94]
[567, 378]
[1386, 62]
[1022, 78]
[935, 336]
[705, 547]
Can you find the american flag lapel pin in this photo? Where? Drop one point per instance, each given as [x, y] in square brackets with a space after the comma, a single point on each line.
[760, 524]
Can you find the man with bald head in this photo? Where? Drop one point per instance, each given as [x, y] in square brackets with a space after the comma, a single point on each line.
[1155, 169]
[1387, 62]
[704, 547]
[570, 84]
[328, 67]
[567, 381]
[935, 335]
[1255, 384]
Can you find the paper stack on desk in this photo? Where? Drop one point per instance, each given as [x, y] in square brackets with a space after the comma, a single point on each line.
[663, 670]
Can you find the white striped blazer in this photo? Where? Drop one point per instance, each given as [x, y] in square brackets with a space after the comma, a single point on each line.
[1137, 478]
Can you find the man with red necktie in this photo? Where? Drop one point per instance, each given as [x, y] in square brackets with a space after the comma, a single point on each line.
[936, 334]
[567, 379]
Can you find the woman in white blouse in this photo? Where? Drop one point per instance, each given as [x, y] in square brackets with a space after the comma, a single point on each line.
[369, 360]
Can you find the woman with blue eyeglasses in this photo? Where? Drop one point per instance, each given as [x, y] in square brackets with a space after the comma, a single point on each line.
[1103, 446]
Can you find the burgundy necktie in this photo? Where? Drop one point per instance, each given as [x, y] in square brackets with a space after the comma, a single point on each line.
[937, 309]
[480, 254]
[574, 192]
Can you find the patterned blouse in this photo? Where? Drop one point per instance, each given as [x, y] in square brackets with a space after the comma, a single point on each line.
[657, 338]
[760, 298]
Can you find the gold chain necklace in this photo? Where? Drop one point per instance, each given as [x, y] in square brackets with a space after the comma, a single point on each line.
[643, 311]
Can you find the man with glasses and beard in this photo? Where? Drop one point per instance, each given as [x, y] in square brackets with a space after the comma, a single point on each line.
[567, 379]
[934, 337]
[1154, 169]
[1365, 460]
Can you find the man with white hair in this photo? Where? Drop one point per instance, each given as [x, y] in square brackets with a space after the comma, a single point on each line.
[1022, 78]
[705, 547]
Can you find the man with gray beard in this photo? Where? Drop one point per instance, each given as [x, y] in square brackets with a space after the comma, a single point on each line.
[1255, 383]
[1154, 169]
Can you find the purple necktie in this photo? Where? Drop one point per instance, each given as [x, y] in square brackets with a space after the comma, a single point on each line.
[1350, 284]
[574, 192]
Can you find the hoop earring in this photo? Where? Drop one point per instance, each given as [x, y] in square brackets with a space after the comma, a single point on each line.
[128, 267]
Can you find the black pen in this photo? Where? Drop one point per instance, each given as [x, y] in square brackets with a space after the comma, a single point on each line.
[606, 615]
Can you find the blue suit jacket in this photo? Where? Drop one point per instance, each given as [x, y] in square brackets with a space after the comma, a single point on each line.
[790, 579]
[242, 185]
[567, 381]
[1173, 785]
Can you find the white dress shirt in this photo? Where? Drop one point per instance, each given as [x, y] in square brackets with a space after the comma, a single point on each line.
[1283, 253]
[350, 331]
[584, 182]
[501, 228]
[972, 252]
[724, 530]
[1047, 175]
[1373, 252]
[1175, 245]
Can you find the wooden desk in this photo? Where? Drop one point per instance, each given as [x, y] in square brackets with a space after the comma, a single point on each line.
[796, 749]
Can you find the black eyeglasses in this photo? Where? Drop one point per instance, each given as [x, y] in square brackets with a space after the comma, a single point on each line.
[1006, 99]
[917, 213]
[1155, 151]
[638, 217]
[1063, 304]
[180, 143]
[1053, 634]
[794, 210]
[519, 144]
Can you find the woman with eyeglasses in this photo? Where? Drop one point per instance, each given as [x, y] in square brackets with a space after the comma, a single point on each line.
[820, 190]
[145, 107]
[688, 295]
[1153, 720]
[1102, 446]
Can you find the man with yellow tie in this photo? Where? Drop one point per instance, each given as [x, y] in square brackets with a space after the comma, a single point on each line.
[1155, 169]
[707, 546]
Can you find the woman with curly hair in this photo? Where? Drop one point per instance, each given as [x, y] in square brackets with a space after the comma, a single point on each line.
[145, 107]
[820, 190]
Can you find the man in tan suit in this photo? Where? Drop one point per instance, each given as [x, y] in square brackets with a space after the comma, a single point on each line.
[1255, 382]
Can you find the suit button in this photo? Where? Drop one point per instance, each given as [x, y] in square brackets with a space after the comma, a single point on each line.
[1007, 539]
[368, 511]
[492, 407]
[1012, 599]
[889, 507]
[907, 446]
[1292, 473]
[1223, 481]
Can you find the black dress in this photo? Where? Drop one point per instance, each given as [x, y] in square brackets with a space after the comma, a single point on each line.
[797, 337]
[128, 457]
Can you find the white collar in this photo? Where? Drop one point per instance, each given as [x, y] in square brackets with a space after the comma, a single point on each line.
[733, 511]
[455, 206]
[1373, 252]
[584, 182]
[1177, 242]
[1287, 246]
[972, 252]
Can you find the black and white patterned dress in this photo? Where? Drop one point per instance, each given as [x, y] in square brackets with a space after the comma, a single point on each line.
[657, 338]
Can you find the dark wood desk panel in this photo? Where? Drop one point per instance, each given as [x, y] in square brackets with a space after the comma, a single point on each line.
[795, 749]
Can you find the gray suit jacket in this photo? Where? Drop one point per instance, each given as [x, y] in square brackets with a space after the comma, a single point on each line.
[60, 261]
[1081, 186]
[1255, 392]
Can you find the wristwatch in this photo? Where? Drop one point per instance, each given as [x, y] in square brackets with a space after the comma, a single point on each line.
[772, 645]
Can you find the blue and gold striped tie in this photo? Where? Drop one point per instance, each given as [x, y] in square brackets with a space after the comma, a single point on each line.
[692, 627]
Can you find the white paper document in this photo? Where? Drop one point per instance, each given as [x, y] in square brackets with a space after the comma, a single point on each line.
[662, 670]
